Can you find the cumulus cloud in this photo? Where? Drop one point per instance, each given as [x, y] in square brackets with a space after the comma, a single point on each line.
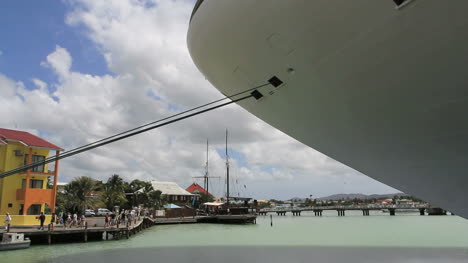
[39, 83]
[60, 61]
[152, 77]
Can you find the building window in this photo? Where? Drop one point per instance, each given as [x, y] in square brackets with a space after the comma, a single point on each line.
[33, 183]
[35, 158]
[10, 205]
[34, 210]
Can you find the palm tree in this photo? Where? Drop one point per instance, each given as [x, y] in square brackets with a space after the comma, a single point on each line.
[144, 194]
[115, 183]
[133, 192]
[113, 192]
[156, 200]
[77, 196]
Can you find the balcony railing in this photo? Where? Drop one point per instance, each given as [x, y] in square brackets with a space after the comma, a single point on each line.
[49, 173]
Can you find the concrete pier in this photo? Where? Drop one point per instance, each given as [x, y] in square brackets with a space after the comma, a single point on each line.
[341, 209]
[296, 213]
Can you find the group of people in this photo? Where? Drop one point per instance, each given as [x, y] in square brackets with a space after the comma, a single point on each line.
[126, 216]
[72, 220]
[65, 219]
[77, 220]
[40, 217]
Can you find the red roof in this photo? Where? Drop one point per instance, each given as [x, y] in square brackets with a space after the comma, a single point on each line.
[26, 138]
[195, 189]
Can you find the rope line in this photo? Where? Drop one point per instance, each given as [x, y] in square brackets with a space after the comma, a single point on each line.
[137, 130]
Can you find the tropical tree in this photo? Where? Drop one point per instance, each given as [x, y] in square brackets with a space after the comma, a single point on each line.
[115, 183]
[156, 200]
[76, 196]
[143, 195]
[133, 192]
[113, 192]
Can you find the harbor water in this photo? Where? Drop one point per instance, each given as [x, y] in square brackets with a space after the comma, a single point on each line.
[406, 237]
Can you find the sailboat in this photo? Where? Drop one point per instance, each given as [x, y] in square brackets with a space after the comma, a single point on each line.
[206, 176]
[234, 213]
[227, 212]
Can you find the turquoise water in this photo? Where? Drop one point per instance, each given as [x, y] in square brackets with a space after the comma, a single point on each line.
[354, 230]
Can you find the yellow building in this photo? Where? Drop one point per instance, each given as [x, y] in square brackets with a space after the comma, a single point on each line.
[29, 192]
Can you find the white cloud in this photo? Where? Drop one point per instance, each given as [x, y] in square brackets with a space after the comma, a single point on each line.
[145, 50]
[39, 83]
[60, 61]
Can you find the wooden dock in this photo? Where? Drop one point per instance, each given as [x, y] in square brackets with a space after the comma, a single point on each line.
[93, 232]
[86, 233]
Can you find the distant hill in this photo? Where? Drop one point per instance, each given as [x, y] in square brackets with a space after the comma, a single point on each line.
[360, 196]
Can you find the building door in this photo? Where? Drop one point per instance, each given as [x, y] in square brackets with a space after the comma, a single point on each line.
[34, 209]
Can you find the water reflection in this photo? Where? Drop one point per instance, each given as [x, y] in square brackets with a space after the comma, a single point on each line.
[270, 254]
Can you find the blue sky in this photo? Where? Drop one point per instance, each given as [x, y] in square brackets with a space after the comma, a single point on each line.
[31, 30]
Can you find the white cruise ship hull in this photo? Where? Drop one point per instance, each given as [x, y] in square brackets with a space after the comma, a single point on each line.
[381, 89]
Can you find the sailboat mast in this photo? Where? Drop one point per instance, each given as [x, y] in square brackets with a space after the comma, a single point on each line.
[206, 172]
[227, 169]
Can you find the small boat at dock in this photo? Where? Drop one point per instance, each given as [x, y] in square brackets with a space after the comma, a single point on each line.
[12, 241]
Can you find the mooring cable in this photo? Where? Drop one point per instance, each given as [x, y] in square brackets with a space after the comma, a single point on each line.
[135, 131]
[169, 117]
[157, 121]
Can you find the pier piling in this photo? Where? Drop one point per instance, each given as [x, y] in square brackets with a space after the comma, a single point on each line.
[86, 232]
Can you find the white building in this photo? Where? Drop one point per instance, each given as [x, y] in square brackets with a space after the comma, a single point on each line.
[172, 190]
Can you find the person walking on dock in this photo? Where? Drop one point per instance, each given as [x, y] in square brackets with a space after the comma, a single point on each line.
[60, 218]
[112, 221]
[122, 217]
[82, 221]
[7, 222]
[68, 221]
[74, 220]
[52, 221]
[41, 219]
[106, 221]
